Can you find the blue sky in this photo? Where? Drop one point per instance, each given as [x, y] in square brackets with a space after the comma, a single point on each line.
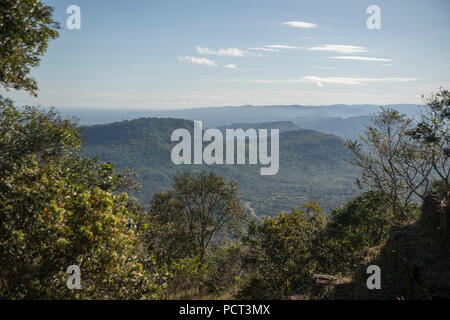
[163, 54]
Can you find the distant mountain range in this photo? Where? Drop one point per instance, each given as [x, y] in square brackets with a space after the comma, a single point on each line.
[282, 126]
[346, 121]
[313, 165]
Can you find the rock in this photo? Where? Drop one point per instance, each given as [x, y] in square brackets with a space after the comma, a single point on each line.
[321, 284]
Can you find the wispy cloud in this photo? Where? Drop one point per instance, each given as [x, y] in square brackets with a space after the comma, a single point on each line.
[360, 58]
[387, 65]
[321, 80]
[301, 24]
[231, 66]
[227, 52]
[201, 61]
[324, 67]
[264, 49]
[339, 48]
[282, 46]
[351, 81]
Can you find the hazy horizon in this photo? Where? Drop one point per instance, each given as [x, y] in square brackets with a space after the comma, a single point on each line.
[173, 55]
[106, 108]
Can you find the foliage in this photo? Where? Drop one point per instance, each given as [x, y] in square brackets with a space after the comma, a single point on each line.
[313, 165]
[362, 223]
[57, 210]
[166, 233]
[26, 27]
[226, 270]
[433, 131]
[402, 159]
[281, 256]
[185, 278]
[391, 161]
[192, 214]
[27, 131]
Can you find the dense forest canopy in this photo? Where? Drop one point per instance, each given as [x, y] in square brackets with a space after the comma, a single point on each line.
[313, 165]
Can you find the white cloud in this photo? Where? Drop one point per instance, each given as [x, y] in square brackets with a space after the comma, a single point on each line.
[321, 80]
[324, 67]
[261, 81]
[351, 81]
[300, 24]
[231, 66]
[203, 50]
[264, 49]
[360, 58]
[201, 61]
[281, 46]
[228, 52]
[232, 52]
[387, 65]
[339, 48]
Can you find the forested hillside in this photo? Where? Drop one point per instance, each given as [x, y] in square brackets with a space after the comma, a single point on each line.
[69, 228]
[313, 165]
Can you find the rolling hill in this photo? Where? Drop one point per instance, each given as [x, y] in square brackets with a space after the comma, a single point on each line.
[313, 165]
[346, 121]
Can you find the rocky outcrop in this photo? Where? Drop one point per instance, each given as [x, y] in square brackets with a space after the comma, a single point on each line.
[436, 217]
[414, 262]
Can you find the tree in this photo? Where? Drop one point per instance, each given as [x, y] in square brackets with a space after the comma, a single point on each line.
[403, 159]
[433, 131]
[58, 209]
[281, 257]
[391, 161]
[26, 26]
[362, 223]
[29, 132]
[193, 213]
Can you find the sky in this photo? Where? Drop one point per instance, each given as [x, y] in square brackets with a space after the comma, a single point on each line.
[174, 54]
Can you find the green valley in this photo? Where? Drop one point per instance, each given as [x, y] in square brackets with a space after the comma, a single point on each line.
[313, 165]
